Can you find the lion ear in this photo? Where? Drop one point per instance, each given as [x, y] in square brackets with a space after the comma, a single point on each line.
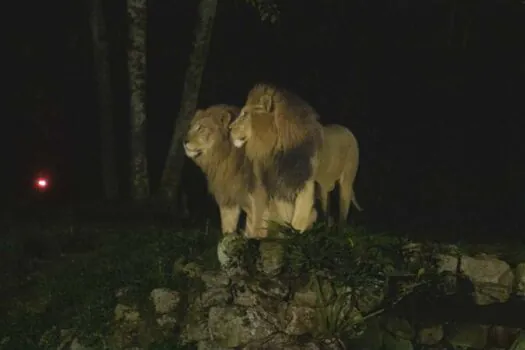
[266, 103]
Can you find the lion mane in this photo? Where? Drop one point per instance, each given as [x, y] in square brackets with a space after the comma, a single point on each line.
[229, 173]
[284, 140]
[338, 165]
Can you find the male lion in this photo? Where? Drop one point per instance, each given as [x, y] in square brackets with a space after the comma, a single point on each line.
[338, 162]
[282, 136]
[228, 172]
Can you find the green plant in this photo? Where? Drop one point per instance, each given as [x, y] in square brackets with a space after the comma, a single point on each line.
[351, 255]
[337, 319]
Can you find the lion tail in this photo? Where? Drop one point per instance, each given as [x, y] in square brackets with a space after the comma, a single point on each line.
[356, 203]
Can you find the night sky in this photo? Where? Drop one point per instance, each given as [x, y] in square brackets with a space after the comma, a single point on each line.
[433, 90]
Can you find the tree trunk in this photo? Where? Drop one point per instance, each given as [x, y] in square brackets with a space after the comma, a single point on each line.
[104, 96]
[137, 17]
[172, 170]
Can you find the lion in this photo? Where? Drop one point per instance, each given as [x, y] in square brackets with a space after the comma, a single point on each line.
[282, 136]
[338, 163]
[228, 171]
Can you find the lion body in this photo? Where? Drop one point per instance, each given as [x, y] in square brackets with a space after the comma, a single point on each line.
[228, 171]
[338, 164]
[282, 136]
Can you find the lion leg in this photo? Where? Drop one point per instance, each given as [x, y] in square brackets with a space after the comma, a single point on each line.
[346, 194]
[324, 198]
[229, 218]
[313, 217]
[304, 205]
[284, 211]
[255, 225]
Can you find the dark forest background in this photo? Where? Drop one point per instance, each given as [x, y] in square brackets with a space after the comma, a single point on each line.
[433, 90]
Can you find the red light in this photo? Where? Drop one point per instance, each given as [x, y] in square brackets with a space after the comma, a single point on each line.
[41, 183]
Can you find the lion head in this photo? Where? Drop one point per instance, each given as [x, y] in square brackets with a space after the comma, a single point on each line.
[228, 172]
[274, 120]
[208, 130]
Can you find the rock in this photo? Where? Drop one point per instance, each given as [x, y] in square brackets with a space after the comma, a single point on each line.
[192, 270]
[468, 335]
[215, 279]
[208, 345]
[270, 287]
[430, 335]
[230, 252]
[271, 258]
[128, 330]
[196, 327]
[259, 291]
[164, 300]
[233, 326]
[264, 292]
[313, 295]
[519, 286]
[126, 313]
[299, 320]
[166, 322]
[245, 296]
[214, 297]
[491, 278]
[332, 344]
[77, 345]
[279, 341]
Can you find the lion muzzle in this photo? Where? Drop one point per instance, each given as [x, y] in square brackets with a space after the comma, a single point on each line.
[239, 142]
[191, 153]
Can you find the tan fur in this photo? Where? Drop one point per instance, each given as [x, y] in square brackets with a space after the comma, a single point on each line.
[277, 126]
[339, 162]
[228, 172]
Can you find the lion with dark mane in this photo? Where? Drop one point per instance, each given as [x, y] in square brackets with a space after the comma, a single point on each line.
[228, 171]
[282, 136]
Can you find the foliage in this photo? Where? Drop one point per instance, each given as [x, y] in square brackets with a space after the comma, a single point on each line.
[81, 292]
[350, 255]
[267, 9]
[336, 319]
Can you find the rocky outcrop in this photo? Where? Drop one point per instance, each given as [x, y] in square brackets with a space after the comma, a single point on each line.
[268, 308]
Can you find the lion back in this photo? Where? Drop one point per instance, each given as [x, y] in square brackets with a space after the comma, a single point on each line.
[339, 152]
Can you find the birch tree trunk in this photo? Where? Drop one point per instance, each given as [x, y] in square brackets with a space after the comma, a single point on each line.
[137, 17]
[171, 175]
[105, 99]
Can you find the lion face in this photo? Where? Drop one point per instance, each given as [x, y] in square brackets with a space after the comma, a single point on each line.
[204, 133]
[241, 130]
